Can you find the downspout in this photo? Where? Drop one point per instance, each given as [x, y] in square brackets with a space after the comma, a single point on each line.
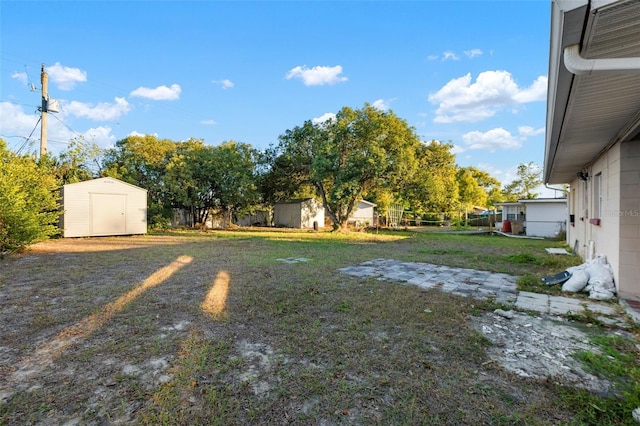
[578, 65]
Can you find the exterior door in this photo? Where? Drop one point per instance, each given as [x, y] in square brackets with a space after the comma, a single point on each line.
[108, 214]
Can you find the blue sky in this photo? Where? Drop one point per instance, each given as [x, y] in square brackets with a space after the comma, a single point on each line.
[470, 72]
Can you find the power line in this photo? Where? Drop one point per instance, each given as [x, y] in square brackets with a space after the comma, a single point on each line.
[18, 103]
[28, 138]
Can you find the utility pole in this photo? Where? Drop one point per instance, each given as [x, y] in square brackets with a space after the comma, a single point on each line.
[44, 79]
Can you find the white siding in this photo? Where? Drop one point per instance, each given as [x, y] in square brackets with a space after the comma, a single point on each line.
[363, 213]
[546, 219]
[104, 206]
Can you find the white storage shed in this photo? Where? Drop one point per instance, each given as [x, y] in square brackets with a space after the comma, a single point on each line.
[546, 217]
[363, 214]
[101, 207]
[306, 213]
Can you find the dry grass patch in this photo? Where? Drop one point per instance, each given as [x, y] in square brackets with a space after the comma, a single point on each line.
[234, 336]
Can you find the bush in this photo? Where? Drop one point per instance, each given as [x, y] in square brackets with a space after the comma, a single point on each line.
[28, 202]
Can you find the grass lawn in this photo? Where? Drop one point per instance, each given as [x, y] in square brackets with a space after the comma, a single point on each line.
[212, 328]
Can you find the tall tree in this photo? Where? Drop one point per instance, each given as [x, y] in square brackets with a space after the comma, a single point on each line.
[142, 161]
[491, 186]
[434, 186]
[347, 158]
[471, 193]
[524, 186]
[234, 181]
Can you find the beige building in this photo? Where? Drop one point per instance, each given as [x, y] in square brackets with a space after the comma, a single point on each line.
[305, 213]
[593, 126]
[102, 207]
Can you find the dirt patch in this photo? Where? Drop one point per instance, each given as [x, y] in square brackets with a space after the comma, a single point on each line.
[540, 348]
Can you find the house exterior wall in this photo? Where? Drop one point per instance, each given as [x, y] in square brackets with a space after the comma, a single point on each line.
[590, 236]
[96, 208]
[546, 219]
[628, 215]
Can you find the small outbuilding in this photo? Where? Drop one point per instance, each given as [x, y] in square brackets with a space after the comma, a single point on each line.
[540, 217]
[101, 207]
[363, 214]
[305, 213]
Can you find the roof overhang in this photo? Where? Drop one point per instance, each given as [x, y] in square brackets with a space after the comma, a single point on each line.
[598, 103]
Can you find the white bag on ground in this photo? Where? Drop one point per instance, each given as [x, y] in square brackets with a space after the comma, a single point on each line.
[600, 285]
[577, 282]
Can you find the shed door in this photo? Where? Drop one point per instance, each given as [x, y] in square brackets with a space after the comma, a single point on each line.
[108, 214]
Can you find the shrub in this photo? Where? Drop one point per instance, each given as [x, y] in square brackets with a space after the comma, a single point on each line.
[28, 201]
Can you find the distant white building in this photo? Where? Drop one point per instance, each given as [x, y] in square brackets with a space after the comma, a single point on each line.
[541, 217]
[364, 214]
[101, 207]
[305, 213]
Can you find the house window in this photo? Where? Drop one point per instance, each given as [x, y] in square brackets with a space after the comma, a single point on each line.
[597, 196]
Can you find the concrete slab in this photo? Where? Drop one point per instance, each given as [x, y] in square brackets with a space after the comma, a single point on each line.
[481, 285]
[601, 308]
[532, 302]
[560, 308]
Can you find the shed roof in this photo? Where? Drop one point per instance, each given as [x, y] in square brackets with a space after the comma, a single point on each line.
[93, 181]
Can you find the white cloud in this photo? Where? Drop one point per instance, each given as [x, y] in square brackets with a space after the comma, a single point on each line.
[208, 122]
[101, 136]
[323, 118]
[21, 77]
[450, 55]
[65, 77]
[160, 93]
[102, 111]
[473, 53]
[383, 104]
[492, 170]
[530, 131]
[492, 140]
[224, 84]
[136, 133]
[317, 76]
[463, 100]
[14, 121]
[499, 138]
[16, 126]
[457, 149]
[536, 92]
[432, 57]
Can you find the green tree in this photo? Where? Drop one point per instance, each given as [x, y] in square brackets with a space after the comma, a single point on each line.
[77, 163]
[142, 161]
[523, 187]
[201, 178]
[434, 186]
[348, 158]
[471, 193]
[28, 201]
[234, 179]
[491, 186]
